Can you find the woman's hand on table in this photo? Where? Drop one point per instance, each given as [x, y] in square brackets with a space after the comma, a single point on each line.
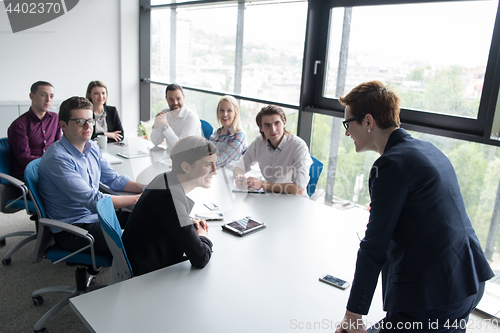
[201, 227]
[114, 135]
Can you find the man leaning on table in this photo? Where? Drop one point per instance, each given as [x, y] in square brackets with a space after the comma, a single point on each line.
[69, 175]
[35, 130]
[283, 158]
[177, 122]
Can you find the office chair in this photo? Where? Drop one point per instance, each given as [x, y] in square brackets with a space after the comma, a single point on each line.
[13, 198]
[314, 173]
[121, 269]
[206, 128]
[45, 248]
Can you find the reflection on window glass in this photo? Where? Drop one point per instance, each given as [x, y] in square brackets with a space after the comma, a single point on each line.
[196, 46]
[477, 167]
[433, 54]
[331, 146]
[273, 51]
[201, 51]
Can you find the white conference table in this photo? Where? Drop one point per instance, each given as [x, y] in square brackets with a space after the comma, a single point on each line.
[139, 169]
[263, 282]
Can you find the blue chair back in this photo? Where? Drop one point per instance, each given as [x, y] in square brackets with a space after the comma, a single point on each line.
[12, 199]
[4, 157]
[45, 246]
[206, 128]
[113, 235]
[31, 178]
[314, 173]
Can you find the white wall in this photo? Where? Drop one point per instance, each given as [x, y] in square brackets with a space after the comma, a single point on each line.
[96, 40]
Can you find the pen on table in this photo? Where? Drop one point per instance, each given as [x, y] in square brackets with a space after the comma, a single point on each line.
[358, 236]
[241, 180]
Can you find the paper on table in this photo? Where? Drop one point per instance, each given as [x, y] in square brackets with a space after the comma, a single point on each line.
[133, 154]
[111, 158]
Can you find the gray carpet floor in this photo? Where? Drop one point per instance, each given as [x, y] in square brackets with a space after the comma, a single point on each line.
[22, 277]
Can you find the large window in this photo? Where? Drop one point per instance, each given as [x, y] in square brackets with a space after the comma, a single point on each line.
[192, 46]
[442, 57]
[477, 167]
[251, 50]
[434, 53]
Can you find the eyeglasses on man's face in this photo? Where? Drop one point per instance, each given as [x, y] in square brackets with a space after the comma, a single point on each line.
[346, 122]
[81, 122]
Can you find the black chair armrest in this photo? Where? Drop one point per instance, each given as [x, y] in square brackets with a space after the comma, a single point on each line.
[64, 226]
[20, 185]
[13, 180]
[105, 189]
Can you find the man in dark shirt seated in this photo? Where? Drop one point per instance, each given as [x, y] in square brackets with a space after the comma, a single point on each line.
[34, 131]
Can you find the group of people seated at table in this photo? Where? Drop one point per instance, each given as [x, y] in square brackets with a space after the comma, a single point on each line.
[418, 235]
[32, 133]
[72, 165]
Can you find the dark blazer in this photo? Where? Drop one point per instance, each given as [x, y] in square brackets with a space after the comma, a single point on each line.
[112, 120]
[159, 230]
[418, 234]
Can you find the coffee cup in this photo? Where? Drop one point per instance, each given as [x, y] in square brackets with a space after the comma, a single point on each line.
[102, 141]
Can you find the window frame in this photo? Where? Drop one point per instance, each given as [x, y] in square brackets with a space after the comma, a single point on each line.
[145, 57]
[315, 57]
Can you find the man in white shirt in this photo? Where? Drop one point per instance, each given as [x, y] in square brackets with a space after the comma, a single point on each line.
[177, 122]
[283, 158]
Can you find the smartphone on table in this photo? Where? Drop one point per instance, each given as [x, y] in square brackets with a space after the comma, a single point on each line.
[334, 281]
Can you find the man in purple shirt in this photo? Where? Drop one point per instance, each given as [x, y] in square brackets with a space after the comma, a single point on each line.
[34, 131]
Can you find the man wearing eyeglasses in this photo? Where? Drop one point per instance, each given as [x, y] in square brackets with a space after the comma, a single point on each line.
[69, 175]
[35, 130]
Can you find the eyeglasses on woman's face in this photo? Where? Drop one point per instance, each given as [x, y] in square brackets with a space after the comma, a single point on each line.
[346, 122]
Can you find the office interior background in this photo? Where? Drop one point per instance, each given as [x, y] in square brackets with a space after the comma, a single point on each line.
[442, 57]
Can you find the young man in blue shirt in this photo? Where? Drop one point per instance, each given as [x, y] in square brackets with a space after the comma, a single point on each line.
[69, 176]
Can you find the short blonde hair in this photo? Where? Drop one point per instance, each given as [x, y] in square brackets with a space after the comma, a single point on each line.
[236, 125]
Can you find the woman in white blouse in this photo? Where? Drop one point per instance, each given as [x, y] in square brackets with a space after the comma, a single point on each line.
[107, 120]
